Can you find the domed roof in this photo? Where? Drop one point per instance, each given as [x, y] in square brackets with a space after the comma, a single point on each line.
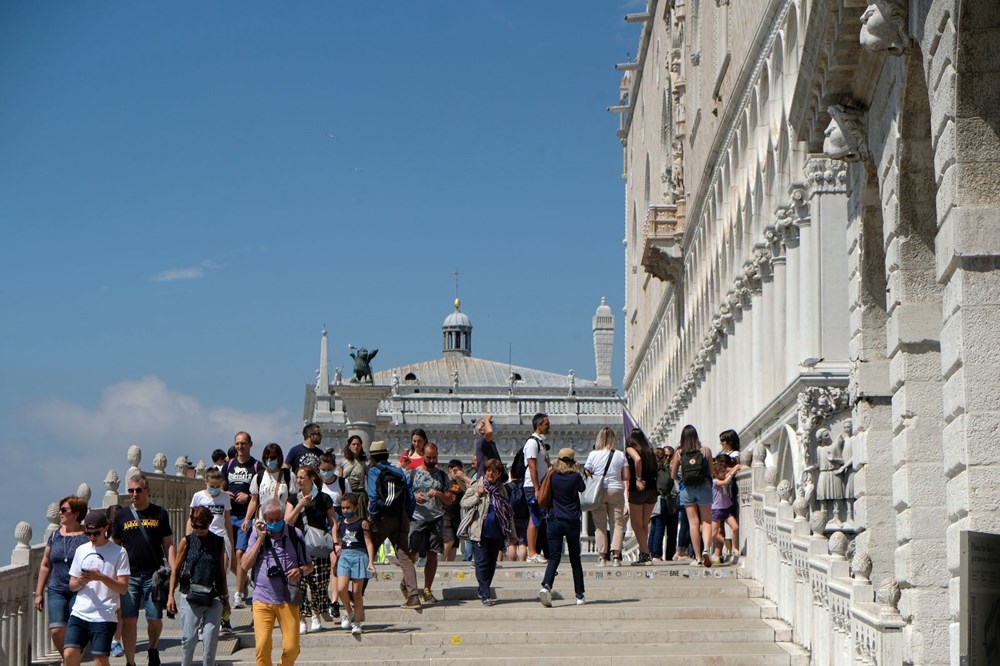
[603, 310]
[457, 319]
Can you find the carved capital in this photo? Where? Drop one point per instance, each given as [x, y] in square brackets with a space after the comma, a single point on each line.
[816, 405]
[825, 175]
[787, 225]
[661, 253]
[883, 27]
[846, 135]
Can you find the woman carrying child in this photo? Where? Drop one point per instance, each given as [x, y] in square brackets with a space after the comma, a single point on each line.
[355, 561]
[722, 504]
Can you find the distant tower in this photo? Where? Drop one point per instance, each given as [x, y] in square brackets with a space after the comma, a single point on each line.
[321, 410]
[457, 332]
[604, 342]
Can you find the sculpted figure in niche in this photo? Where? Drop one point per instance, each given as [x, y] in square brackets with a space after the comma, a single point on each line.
[883, 27]
[845, 135]
[829, 483]
[849, 468]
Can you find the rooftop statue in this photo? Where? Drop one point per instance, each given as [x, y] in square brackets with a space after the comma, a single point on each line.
[362, 363]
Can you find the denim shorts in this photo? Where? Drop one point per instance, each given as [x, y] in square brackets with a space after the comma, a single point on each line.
[99, 634]
[242, 538]
[700, 495]
[138, 596]
[720, 515]
[60, 604]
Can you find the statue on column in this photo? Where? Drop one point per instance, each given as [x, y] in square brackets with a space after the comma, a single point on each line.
[362, 363]
[395, 383]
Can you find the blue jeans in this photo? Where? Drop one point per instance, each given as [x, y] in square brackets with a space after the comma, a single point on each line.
[191, 617]
[99, 634]
[485, 553]
[684, 534]
[241, 538]
[138, 597]
[557, 530]
[664, 524]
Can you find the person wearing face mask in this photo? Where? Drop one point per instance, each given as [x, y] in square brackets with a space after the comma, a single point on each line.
[311, 508]
[276, 561]
[271, 482]
[218, 504]
[334, 484]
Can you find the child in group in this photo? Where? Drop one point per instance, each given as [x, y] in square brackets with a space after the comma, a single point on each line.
[355, 562]
[722, 504]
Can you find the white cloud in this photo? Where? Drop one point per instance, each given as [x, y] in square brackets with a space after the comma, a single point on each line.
[192, 273]
[69, 443]
[189, 273]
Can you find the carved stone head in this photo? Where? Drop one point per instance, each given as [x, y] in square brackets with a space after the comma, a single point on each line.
[784, 490]
[817, 522]
[846, 138]
[800, 507]
[838, 545]
[883, 27]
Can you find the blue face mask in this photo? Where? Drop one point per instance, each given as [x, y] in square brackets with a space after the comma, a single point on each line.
[276, 526]
[347, 514]
[327, 474]
[214, 492]
[314, 491]
[271, 464]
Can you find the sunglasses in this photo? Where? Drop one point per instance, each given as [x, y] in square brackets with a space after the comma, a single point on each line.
[93, 534]
[199, 527]
[135, 491]
[63, 509]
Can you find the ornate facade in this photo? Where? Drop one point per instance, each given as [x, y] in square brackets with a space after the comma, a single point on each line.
[445, 396]
[812, 258]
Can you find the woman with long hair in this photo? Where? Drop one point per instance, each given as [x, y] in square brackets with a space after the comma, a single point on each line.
[642, 493]
[53, 572]
[692, 465]
[271, 482]
[311, 507]
[414, 457]
[605, 456]
[564, 522]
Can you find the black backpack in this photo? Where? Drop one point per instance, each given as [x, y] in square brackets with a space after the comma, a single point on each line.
[390, 494]
[664, 484]
[518, 468]
[693, 468]
[286, 474]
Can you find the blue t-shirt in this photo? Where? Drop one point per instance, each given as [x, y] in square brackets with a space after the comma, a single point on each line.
[566, 489]
[61, 551]
[491, 526]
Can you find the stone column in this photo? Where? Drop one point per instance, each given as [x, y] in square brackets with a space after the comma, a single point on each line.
[361, 406]
[794, 269]
[779, 278]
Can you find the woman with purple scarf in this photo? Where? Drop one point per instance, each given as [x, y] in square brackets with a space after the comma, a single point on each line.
[492, 527]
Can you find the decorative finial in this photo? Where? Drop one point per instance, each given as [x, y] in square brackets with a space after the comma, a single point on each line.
[458, 304]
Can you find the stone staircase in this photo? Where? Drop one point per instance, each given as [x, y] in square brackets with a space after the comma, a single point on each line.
[666, 614]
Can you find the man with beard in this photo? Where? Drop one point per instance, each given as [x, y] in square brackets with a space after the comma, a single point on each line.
[308, 452]
[432, 490]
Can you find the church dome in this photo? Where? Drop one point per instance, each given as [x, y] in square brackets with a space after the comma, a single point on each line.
[457, 332]
[603, 310]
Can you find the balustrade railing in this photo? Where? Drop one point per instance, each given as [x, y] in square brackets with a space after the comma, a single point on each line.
[24, 635]
[833, 608]
[440, 405]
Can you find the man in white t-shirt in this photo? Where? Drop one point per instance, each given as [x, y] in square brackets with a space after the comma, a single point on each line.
[99, 576]
[536, 459]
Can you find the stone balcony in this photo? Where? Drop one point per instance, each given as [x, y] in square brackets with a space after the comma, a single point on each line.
[662, 255]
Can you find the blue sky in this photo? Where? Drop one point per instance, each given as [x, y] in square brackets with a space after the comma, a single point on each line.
[190, 190]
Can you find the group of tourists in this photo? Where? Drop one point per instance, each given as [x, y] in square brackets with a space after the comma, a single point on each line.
[307, 533]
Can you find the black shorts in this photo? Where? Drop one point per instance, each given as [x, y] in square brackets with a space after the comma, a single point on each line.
[427, 537]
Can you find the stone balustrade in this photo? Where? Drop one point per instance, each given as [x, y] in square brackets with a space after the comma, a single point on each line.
[827, 599]
[526, 406]
[24, 636]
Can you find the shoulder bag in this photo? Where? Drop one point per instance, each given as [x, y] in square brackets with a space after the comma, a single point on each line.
[593, 495]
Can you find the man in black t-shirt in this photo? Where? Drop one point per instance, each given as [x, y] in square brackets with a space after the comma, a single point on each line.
[145, 556]
[308, 452]
[486, 448]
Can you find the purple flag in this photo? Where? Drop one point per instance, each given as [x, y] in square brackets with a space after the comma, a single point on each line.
[628, 421]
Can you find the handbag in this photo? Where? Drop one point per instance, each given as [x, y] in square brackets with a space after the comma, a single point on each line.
[593, 494]
[200, 595]
[543, 495]
[319, 543]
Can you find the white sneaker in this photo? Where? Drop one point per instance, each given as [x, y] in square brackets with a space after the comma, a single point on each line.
[356, 629]
[315, 625]
[537, 559]
[580, 601]
[601, 562]
[545, 596]
[302, 628]
[617, 562]
[347, 621]
[238, 600]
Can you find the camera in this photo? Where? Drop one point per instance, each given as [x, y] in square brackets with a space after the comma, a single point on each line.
[274, 571]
